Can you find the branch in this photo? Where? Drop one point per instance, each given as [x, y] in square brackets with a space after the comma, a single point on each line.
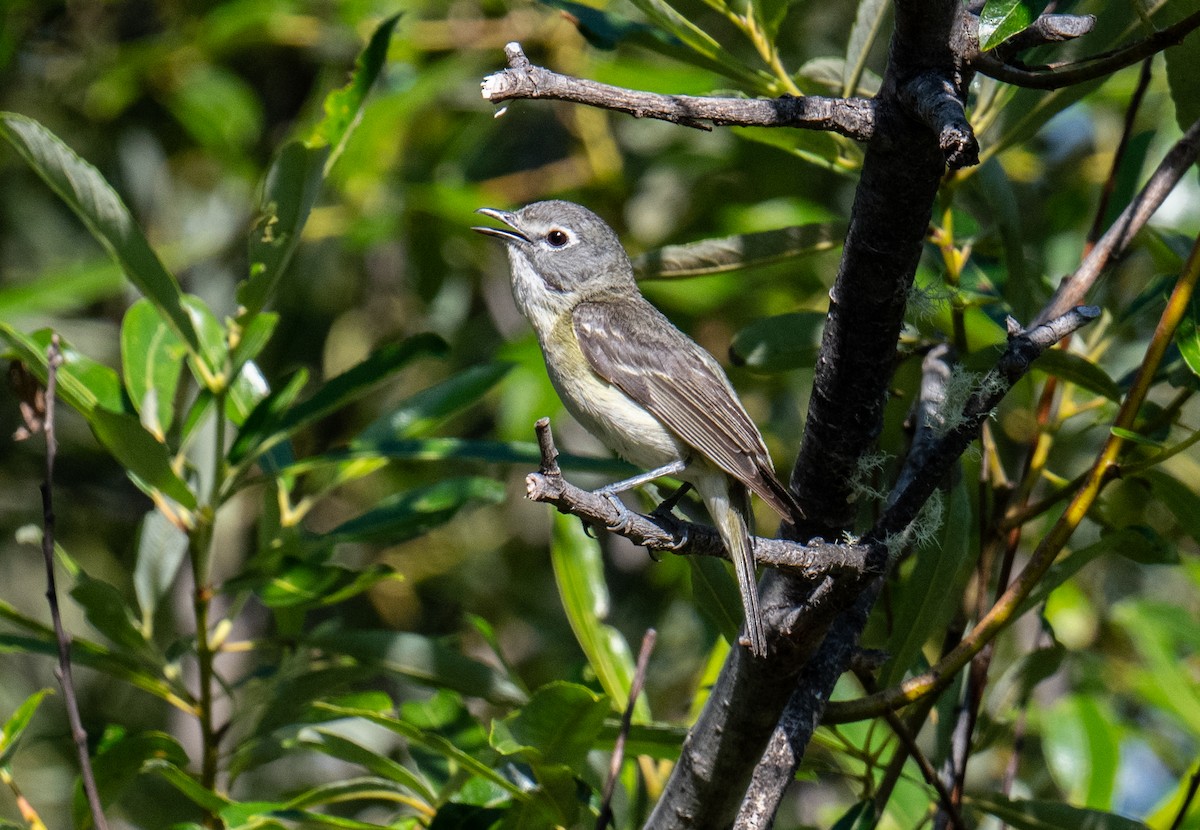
[851, 117]
[934, 99]
[1024, 347]
[1088, 69]
[1113, 244]
[1047, 29]
[661, 531]
[49, 523]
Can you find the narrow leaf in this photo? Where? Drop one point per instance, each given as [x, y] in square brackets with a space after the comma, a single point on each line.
[1050, 815]
[418, 415]
[579, 575]
[415, 512]
[715, 256]
[141, 454]
[1077, 369]
[152, 360]
[559, 725]
[93, 200]
[421, 659]
[17, 723]
[161, 547]
[82, 382]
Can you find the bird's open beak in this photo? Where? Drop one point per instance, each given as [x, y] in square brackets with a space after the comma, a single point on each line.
[507, 218]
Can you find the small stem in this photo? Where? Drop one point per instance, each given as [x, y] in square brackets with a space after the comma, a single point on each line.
[49, 523]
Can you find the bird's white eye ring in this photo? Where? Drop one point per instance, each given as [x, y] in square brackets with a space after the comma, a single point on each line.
[557, 238]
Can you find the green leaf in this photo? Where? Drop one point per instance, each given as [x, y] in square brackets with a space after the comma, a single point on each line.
[1001, 19]
[1181, 499]
[715, 595]
[161, 548]
[248, 335]
[579, 575]
[730, 253]
[769, 15]
[187, 785]
[434, 743]
[107, 612]
[86, 192]
[213, 352]
[667, 18]
[336, 746]
[152, 359]
[343, 107]
[421, 659]
[991, 188]
[294, 181]
[602, 29]
[72, 286]
[415, 512]
[818, 148]
[247, 391]
[119, 761]
[82, 382]
[1049, 815]
[220, 110]
[289, 193]
[417, 416]
[559, 725]
[17, 723]
[141, 454]
[258, 425]
[1183, 67]
[779, 344]
[868, 22]
[1082, 746]
[1077, 369]
[315, 585]
[1135, 437]
[929, 596]
[1187, 336]
[276, 423]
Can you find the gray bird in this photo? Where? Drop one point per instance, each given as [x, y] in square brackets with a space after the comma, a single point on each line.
[635, 381]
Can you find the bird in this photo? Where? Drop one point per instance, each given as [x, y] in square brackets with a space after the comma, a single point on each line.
[635, 381]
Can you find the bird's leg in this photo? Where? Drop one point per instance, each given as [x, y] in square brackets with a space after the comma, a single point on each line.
[610, 491]
[668, 504]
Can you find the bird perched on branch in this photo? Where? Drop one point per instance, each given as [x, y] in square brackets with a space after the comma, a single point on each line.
[635, 381]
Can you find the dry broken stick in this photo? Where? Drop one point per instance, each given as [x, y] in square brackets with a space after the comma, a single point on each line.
[661, 531]
[851, 117]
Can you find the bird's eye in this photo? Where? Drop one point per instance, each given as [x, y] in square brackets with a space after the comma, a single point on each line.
[557, 238]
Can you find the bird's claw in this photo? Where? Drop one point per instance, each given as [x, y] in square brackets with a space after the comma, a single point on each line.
[622, 521]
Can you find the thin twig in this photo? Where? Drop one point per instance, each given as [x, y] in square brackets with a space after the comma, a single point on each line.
[1110, 183]
[851, 117]
[49, 522]
[1112, 245]
[618, 755]
[662, 531]
[1089, 69]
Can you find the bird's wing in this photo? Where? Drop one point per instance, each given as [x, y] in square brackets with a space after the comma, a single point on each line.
[633, 346]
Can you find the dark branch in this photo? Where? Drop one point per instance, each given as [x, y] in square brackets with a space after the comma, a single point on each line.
[1024, 347]
[934, 99]
[635, 689]
[49, 523]
[661, 531]
[851, 117]
[1089, 69]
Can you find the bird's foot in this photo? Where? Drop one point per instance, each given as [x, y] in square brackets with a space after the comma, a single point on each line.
[621, 523]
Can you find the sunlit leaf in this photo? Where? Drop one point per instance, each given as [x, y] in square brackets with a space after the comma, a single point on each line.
[579, 574]
[558, 725]
[313, 585]
[161, 547]
[335, 746]
[1001, 19]
[1187, 336]
[279, 421]
[152, 360]
[868, 22]
[1081, 743]
[94, 201]
[17, 723]
[82, 382]
[141, 454]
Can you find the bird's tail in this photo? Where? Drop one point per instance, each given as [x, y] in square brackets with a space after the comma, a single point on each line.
[729, 506]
